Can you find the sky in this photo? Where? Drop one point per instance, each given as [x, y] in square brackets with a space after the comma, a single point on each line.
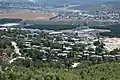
[61, 1]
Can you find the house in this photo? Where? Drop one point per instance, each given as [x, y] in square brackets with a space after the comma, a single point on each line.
[3, 57]
[74, 39]
[28, 43]
[92, 52]
[86, 52]
[109, 58]
[55, 59]
[57, 50]
[67, 48]
[55, 33]
[86, 56]
[27, 48]
[75, 65]
[43, 51]
[62, 55]
[52, 58]
[44, 58]
[46, 48]
[78, 57]
[117, 57]
[35, 46]
[96, 58]
[66, 51]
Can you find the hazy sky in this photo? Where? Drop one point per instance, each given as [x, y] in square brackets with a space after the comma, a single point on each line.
[61, 1]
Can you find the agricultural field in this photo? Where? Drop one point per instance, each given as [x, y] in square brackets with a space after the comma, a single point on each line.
[25, 15]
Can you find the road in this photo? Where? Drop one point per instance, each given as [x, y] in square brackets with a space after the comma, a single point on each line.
[16, 50]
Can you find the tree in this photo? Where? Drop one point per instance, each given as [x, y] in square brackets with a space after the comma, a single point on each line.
[96, 43]
[99, 50]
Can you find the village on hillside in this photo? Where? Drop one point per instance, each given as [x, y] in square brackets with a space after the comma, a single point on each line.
[63, 48]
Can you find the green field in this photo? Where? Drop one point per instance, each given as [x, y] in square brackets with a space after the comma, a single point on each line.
[53, 27]
[115, 30]
[60, 25]
[7, 20]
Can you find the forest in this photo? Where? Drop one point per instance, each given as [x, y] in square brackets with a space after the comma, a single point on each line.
[104, 71]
